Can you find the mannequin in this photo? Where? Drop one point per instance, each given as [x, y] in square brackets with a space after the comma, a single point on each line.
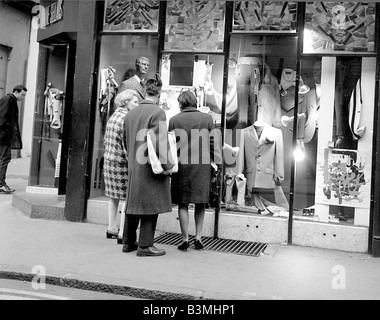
[262, 160]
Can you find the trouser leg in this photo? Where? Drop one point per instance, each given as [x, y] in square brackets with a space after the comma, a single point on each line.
[147, 230]
[130, 226]
[5, 158]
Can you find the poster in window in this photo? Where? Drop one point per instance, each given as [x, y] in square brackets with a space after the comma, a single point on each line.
[344, 178]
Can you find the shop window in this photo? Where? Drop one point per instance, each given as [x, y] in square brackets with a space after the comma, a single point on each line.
[127, 15]
[265, 16]
[340, 27]
[200, 73]
[260, 105]
[195, 26]
[48, 141]
[333, 181]
[117, 63]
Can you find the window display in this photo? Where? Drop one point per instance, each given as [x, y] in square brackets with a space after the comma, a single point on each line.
[123, 57]
[265, 16]
[339, 26]
[195, 25]
[49, 142]
[333, 185]
[131, 15]
[297, 121]
[257, 178]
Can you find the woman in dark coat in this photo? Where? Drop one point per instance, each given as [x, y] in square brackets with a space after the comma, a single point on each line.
[198, 144]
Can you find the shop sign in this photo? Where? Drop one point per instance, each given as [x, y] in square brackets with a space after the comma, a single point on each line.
[45, 16]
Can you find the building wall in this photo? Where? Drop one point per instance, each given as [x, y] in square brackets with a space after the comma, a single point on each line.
[14, 33]
[15, 30]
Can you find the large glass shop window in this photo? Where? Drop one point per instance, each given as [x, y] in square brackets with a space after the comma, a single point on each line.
[259, 113]
[117, 64]
[50, 141]
[333, 181]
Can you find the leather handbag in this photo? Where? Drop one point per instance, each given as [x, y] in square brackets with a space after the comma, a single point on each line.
[172, 154]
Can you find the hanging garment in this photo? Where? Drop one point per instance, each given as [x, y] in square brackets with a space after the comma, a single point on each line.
[269, 100]
[53, 106]
[263, 157]
[356, 103]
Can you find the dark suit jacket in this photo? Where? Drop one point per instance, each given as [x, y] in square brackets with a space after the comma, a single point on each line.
[9, 127]
[133, 84]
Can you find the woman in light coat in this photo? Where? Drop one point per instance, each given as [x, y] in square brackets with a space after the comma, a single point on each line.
[116, 161]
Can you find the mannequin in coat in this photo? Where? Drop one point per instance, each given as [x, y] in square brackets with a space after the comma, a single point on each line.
[262, 158]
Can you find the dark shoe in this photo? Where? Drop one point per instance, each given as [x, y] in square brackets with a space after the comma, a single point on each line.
[119, 240]
[6, 189]
[150, 252]
[111, 235]
[198, 245]
[129, 248]
[183, 246]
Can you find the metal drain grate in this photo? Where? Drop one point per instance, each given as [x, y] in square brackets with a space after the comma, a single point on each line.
[220, 245]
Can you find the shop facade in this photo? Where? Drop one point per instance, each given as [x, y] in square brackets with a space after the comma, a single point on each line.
[293, 87]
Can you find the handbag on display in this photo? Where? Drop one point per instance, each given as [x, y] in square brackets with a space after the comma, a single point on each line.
[172, 154]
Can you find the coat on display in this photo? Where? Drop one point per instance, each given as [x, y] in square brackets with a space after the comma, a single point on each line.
[263, 157]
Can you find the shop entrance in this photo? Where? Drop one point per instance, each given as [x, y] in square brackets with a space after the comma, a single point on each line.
[50, 168]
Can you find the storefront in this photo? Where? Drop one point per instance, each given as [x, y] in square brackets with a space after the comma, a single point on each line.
[293, 86]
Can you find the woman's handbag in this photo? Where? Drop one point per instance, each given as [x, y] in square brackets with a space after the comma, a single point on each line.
[172, 154]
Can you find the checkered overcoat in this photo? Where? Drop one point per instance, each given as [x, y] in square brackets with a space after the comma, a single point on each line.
[115, 157]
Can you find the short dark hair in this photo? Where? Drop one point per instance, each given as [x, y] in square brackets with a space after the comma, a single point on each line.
[20, 88]
[153, 86]
[187, 99]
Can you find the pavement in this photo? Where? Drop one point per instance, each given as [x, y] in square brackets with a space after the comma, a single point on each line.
[78, 255]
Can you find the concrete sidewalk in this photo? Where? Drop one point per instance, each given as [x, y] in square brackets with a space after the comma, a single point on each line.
[79, 255]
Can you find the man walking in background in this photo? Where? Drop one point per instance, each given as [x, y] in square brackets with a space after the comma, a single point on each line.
[10, 137]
